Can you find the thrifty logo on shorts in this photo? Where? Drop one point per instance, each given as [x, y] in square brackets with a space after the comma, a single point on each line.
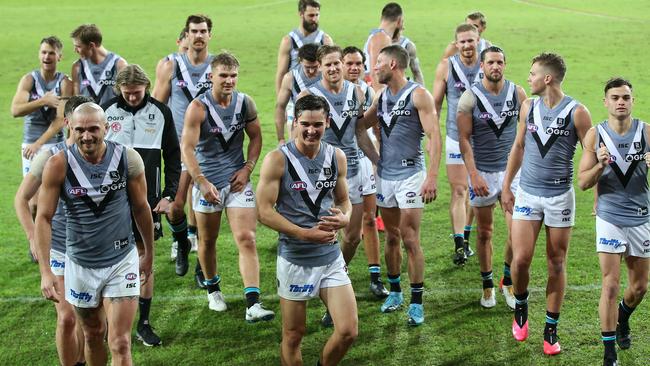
[526, 211]
[610, 242]
[301, 288]
[56, 264]
[83, 296]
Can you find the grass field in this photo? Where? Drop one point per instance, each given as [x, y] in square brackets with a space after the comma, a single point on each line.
[598, 39]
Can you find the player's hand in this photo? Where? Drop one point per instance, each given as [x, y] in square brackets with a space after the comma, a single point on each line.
[163, 206]
[603, 155]
[429, 190]
[50, 99]
[209, 191]
[646, 156]
[49, 286]
[507, 199]
[317, 235]
[334, 222]
[479, 186]
[32, 249]
[146, 266]
[239, 180]
[30, 150]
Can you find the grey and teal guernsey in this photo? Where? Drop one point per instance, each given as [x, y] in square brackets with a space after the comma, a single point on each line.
[188, 82]
[59, 221]
[366, 64]
[459, 78]
[482, 44]
[623, 186]
[404, 42]
[306, 194]
[400, 148]
[98, 231]
[298, 40]
[97, 80]
[344, 113]
[550, 142]
[494, 126]
[220, 150]
[37, 122]
[301, 81]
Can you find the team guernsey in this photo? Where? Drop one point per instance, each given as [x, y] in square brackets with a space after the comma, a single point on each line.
[366, 64]
[37, 122]
[188, 82]
[301, 81]
[401, 153]
[220, 150]
[494, 126]
[98, 232]
[298, 40]
[404, 42]
[344, 112]
[623, 185]
[97, 80]
[551, 138]
[307, 193]
[459, 78]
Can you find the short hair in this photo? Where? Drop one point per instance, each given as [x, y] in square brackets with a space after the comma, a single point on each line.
[87, 108]
[73, 102]
[87, 33]
[553, 62]
[182, 34]
[132, 74]
[198, 19]
[53, 41]
[354, 49]
[398, 53]
[308, 52]
[311, 102]
[226, 59]
[495, 49]
[303, 4]
[391, 12]
[617, 82]
[465, 28]
[325, 50]
[478, 16]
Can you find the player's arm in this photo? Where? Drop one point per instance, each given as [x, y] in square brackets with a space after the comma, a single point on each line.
[137, 190]
[465, 128]
[283, 96]
[284, 59]
[369, 120]
[56, 125]
[423, 102]
[327, 40]
[377, 42]
[440, 84]
[162, 86]
[120, 64]
[582, 122]
[20, 104]
[450, 50]
[76, 83]
[254, 133]
[360, 132]
[593, 161]
[414, 64]
[52, 180]
[342, 207]
[515, 158]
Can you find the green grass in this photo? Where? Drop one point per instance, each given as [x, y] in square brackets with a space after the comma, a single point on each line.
[598, 39]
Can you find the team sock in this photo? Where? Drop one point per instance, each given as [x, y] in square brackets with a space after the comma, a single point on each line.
[252, 296]
[507, 280]
[521, 308]
[416, 293]
[609, 341]
[467, 232]
[375, 272]
[550, 328]
[179, 232]
[624, 312]
[394, 281]
[145, 306]
[458, 241]
[213, 284]
[487, 279]
[191, 230]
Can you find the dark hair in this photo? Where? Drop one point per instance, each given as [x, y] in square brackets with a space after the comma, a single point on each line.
[391, 12]
[398, 53]
[182, 34]
[495, 49]
[226, 59]
[87, 33]
[325, 50]
[553, 62]
[53, 41]
[73, 102]
[311, 102]
[354, 49]
[616, 83]
[198, 19]
[308, 52]
[303, 4]
[478, 16]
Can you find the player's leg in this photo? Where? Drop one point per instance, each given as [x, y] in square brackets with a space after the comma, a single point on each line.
[410, 233]
[393, 257]
[93, 323]
[294, 314]
[144, 331]
[467, 230]
[457, 176]
[607, 308]
[342, 306]
[505, 285]
[637, 274]
[120, 313]
[484, 224]
[557, 245]
[69, 334]
[371, 245]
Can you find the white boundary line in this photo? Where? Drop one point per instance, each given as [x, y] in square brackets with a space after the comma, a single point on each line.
[579, 12]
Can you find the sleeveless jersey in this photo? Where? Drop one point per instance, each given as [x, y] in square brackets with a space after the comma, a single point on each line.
[400, 148]
[37, 122]
[623, 186]
[97, 80]
[344, 112]
[482, 44]
[301, 81]
[98, 231]
[366, 64]
[220, 150]
[188, 82]
[550, 142]
[58, 220]
[404, 42]
[298, 40]
[306, 193]
[459, 78]
[494, 126]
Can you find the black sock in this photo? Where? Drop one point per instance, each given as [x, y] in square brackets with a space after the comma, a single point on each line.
[213, 284]
[624, 312]
[394, 280]
[609, 341]
[145, 306]
[521, 308]
[191, 229]
[252, 296]
[458, 241]
[179, 232]
[507, 280]
[416, 293]
[375, 272]
[550, 328]
[467, 232]
[487, 279]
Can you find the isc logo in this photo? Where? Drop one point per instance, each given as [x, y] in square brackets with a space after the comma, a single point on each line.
[298, 186]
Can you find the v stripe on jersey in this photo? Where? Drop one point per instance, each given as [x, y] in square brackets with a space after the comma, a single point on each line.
[340, 124]
[620, 166]
[389, 119]
[190, 90]
[499, 121]
[459, 75]
[544, 140]
[225, 134]
[95, 89]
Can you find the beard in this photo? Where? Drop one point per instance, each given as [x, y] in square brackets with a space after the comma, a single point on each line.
[494, 79]
[309, 26]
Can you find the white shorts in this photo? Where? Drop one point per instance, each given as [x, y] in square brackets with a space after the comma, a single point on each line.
[556, 211]
[367, 173]
[86, 287]
[494, 181]
[401, 193]
[242, 199]
[452, 152]
[28, 163]
[57, 262]
[633, 241]
[355, 188]
[301, 283]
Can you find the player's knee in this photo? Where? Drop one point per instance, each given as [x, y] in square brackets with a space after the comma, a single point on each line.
[484, 234]
[347, 332]
[293, 337]
[369, 220]
[66, 321]
[392, 237]
[639, 289]
[521, 262]
[352, 239]
[120, 344]
[556, 266]
[610, 290]
[94, 334]
[246, 240]
[458, 191]
[176, 214]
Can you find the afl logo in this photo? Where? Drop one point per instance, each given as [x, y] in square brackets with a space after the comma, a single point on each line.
[181, 83]
[116, 126]
[410, 194]
[459, 85]
[298, 186]
[215, 130]
[130, 276]
[532, 127]
[646, 243]
[566, 212]
[77, 191]
[485, 116]
[249, 193]
[85, 82]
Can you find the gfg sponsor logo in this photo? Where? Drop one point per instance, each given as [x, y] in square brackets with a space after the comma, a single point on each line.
[400, 112]
[107, 82]
[634, 157]
[301, 288]
[83, 296]
[526, 211]
[325, 184]
[510, 114]
[352, 113]
[105, 188]
[557, 132]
